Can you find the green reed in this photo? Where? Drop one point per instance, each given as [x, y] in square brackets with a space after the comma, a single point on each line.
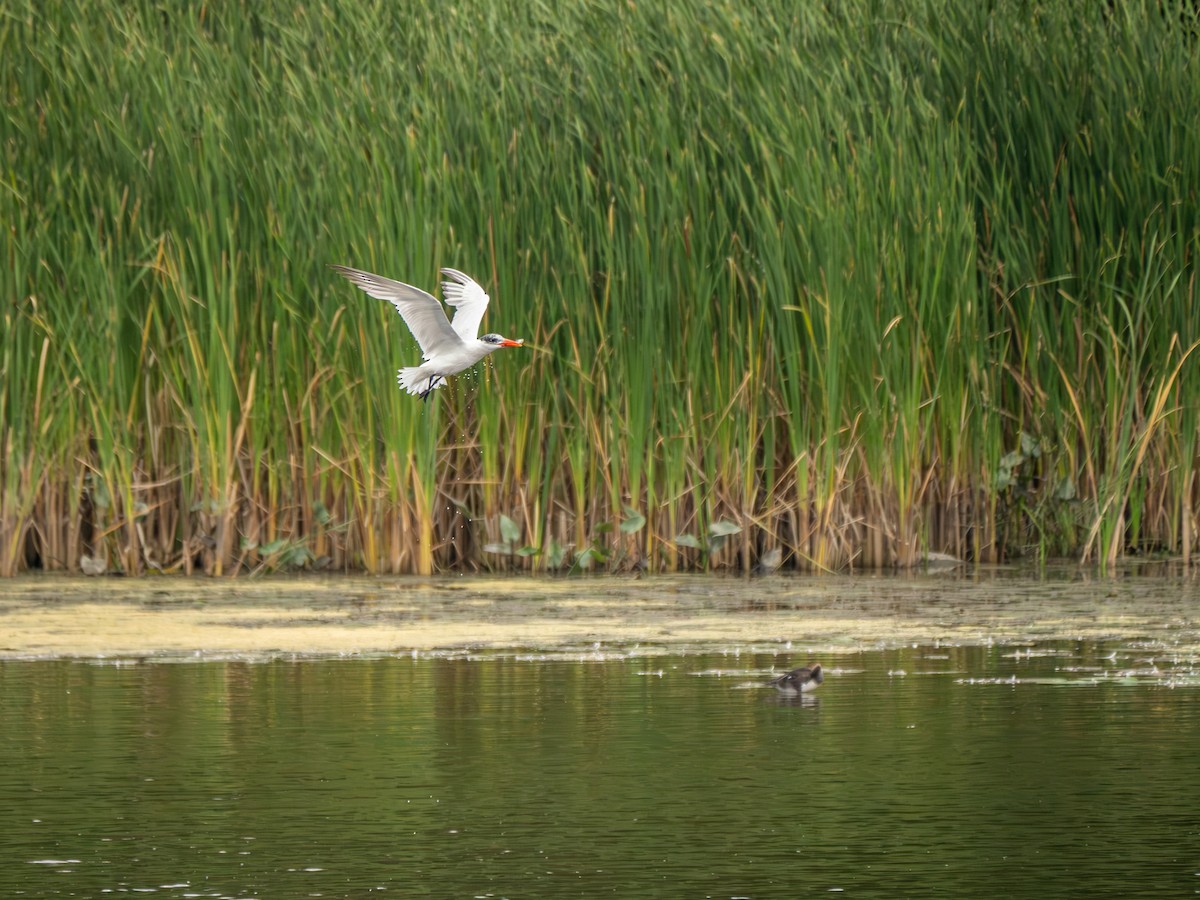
[855, 283]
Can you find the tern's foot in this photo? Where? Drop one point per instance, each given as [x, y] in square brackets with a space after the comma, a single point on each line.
[433, 383]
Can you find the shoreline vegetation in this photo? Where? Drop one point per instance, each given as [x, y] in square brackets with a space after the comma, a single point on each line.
[833, 286]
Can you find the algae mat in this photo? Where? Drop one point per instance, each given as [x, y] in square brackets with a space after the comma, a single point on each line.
[180, 618]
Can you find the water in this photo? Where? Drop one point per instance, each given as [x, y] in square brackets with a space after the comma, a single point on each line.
[924, 772]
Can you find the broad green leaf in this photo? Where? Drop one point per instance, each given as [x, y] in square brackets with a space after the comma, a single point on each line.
[633, 524]
[1065, 489]
[298, 556]
[1012, 460]
[509, 530]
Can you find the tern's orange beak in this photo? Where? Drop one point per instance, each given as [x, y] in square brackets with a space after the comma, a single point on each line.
[519, 342]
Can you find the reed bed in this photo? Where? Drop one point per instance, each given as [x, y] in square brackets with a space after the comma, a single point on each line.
[854, 282]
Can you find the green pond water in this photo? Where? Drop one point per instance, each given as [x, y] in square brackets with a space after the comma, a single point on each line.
[1045, 769]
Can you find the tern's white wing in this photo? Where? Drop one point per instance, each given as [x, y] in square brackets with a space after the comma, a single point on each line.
[469, 302]
[421, 312]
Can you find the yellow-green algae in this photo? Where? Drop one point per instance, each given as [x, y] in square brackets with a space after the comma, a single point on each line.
[51, 617]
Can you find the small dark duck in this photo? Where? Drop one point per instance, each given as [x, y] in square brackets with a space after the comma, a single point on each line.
[799, 681]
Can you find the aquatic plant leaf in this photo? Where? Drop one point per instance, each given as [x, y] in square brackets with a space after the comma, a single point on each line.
[592, 554]
[1030, 446]
[1065, 489]
[716, 542]
[298, 556]
[529, 551]
[505, 549]
[510, 531]
[555, 555]
[723, 528]
[1011, 460]
[633, 524]
[688, 540]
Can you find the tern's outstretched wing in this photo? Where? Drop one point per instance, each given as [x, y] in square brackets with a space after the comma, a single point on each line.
[469, 302]
[421, 312]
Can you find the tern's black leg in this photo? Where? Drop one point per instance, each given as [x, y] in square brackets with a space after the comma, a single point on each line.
[432, 384]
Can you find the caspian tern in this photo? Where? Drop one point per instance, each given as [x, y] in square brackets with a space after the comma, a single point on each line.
[799, 681]
[447, 348]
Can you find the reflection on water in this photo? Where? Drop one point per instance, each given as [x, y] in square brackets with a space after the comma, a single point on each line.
[1064, 769]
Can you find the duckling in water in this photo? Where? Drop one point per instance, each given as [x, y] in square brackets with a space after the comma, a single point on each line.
[799, 681]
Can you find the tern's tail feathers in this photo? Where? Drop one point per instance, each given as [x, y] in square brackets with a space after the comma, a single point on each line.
[416, 380]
